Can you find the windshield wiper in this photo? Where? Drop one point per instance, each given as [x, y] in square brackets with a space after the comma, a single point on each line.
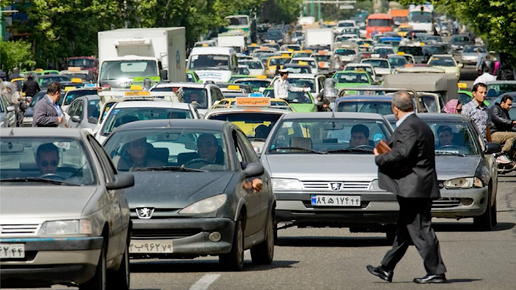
[169, 168]
[38, 179]
[346, 150]
[448, 153]
[300, 148]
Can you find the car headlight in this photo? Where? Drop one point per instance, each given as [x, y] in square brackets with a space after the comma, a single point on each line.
[286, 184]
[206, 205]
[463, 182]
[66, 227]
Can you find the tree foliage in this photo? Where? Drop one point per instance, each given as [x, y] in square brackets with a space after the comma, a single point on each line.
[16, 54]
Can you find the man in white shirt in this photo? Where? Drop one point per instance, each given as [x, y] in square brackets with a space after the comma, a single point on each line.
[485, 77]
[282, 86]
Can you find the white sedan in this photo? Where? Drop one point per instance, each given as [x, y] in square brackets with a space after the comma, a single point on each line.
[445, 62]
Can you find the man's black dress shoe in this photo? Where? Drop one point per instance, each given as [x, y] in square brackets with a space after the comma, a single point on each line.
[438, 278]
[380, 272]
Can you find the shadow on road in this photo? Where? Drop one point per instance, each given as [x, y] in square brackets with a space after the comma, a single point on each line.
[198, 266]
[333, 241]
[468, 227]
[450, 281]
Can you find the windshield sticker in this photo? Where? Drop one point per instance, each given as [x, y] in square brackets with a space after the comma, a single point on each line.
[377, 137]
[287, 125]
[63, 145]
[117, 111]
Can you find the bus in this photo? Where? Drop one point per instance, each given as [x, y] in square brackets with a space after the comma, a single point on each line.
[244, 23]
[379, 23]
[421, 17]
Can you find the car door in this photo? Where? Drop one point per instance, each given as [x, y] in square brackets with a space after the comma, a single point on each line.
[117, 210]
[252, 200]
[266, 192]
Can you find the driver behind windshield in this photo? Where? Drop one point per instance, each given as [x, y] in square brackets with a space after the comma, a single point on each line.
[359, 136]
[136, 156]
[47, 158]
[208, 149]
[445, 135]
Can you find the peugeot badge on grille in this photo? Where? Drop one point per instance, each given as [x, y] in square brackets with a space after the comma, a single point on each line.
[145, 212]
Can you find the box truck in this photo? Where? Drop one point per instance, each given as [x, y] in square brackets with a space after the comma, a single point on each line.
[322, 37]
[128, 56]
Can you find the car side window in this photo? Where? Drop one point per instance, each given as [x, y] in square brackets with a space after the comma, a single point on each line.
[107, 166]
[72, 109]
[79, 108]
[239, 151]
[247, 148]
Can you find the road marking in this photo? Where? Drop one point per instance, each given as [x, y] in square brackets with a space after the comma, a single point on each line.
[205, 282]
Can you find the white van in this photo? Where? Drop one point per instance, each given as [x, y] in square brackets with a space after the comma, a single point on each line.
[216, 64]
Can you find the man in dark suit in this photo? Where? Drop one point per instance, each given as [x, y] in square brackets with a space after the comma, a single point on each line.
[47, 112]
[408, 170]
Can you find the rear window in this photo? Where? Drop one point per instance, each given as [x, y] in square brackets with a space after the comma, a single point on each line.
[379, 22]
[414, 50]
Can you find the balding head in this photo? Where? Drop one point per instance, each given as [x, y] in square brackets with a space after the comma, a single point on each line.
[403, 101]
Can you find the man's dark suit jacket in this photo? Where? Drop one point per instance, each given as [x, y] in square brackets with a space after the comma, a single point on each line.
[45, 114]
[408, 170]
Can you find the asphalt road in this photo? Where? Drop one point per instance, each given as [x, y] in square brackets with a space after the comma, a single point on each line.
[336, 259]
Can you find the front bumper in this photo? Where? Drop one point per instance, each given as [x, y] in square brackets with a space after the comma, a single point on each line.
[376, 209]
[188, 237]
[452, 203]
[51, 261]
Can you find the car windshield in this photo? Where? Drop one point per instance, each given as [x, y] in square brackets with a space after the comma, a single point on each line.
[120, 116]
[345, 52]
[168, 148]
[209, 62]
[252, 64]
[459, 38]
[253, 124]
[255, 84]
[294, 69]
[420, 17]
[469, 49]
[377, 107]
[351, 77]
[442, 61]
[454, 138]
[293, 97]
[397, 61]
[311, 63]
[322, 58]
[379, 22]
[377, 63]
[331, 135]
[243, 71]
[81, 62]
[74, 94]
[414, 50]
[434, 49]
[189, 95]
[303, 83]
[45, 81]
[128, 69]
[301, 54]
[46, 160]
[366, 68]
[279, 61]
[383, 50]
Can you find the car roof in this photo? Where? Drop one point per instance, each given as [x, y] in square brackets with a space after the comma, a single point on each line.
[301, 76]
[172, 123]
[386, 98]
[247, 110]
[89, 97]
[151, 104]
[41, 132]
[324, 115]
[185, 85]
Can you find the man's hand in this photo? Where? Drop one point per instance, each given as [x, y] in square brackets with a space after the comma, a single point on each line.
[306, 89]
[375, 152]
[257, 185]
[59, 120]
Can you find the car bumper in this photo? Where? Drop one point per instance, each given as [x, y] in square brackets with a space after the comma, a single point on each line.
[51, 261]
[461, 203]
[27, 122]
[188, 237]
[376, 209]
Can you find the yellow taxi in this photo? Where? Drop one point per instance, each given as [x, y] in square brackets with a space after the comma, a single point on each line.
[302, 53]
[403, 29]
[239, 101]
[274, 63]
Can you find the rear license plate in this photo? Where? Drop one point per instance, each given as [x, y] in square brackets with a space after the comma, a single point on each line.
[158, 247]
[335, 200]
[12, 251]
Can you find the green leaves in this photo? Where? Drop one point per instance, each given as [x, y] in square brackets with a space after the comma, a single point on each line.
[16, 53]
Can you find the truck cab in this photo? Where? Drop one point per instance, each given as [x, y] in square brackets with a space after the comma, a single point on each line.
[216, 64]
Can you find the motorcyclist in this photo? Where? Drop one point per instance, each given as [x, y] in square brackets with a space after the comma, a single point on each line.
[30, 87]
[10, 91]
[329, 94]
[503, 129]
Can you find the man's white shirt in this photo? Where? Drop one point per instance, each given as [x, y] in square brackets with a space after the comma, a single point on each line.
[282, 87]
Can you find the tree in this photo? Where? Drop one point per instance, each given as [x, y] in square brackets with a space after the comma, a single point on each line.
[16, 54]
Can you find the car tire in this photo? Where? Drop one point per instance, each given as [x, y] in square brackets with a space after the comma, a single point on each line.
[494, 214]
[263, 253]
[121, 279]
[485, 221]
[98, 282]
[234, 260]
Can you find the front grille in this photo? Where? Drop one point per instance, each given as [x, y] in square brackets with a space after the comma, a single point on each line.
[446, 202]
[344, 185]
[152, 234]
[158, 213]
[19, 229]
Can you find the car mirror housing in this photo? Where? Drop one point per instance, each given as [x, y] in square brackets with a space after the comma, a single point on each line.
[92, 120]
[121, 180]
[492, 147]
[76, 119]
[254, 169]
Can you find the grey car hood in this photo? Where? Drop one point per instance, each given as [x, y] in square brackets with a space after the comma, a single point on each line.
[357, 167]
[45, 201]
[449, 167]
[175, 189]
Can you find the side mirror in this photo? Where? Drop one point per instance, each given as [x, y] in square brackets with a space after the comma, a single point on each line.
[11, 109]
[121, 180]
[76, 119]
[254, 169]
[93, 120]
[163, 75]
[492, 147]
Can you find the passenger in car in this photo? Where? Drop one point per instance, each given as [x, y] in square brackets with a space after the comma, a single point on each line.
[359, 136]
[135, 156]
[209, 149]
[47, 158]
